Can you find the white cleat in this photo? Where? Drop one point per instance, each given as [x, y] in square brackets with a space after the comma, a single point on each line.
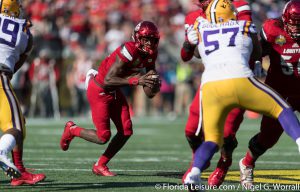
[246, 176]
[8, 167]
[193, 180]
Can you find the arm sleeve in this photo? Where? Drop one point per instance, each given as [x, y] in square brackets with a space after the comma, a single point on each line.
[187, 51]
[265, 45]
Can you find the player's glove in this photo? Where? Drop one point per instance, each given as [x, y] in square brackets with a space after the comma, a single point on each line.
[192, 35]
[258, 70]
[89, 74]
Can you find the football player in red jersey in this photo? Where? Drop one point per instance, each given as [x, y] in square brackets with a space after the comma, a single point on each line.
[235, 117]
[280, 40]
[120, 68]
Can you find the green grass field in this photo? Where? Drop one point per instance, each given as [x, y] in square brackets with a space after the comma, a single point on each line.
[154, 159]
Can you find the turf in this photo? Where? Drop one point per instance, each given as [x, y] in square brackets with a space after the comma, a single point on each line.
[154, 159]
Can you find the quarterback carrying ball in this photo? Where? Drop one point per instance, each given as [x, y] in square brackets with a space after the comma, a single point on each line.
[122, 67]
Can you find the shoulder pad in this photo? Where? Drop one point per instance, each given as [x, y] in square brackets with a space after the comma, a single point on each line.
[243, 10]
[191, 18]
[271, 29]
[241, 5]
[128, 51]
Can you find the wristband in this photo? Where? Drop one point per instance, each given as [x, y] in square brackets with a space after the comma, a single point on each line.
[133, 81]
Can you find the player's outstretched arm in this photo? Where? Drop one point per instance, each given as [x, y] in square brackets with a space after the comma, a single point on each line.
[257, 51]
[188, 49]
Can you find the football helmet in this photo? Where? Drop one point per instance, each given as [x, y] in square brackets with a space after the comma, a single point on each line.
[220, 11]
[202, 3]
[10, 8]
[291, 19]
[146, 37]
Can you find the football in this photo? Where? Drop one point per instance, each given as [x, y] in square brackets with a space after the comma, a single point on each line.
[149, 92]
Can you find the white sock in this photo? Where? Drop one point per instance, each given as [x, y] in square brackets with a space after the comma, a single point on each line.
[195, 171]
[7, 143]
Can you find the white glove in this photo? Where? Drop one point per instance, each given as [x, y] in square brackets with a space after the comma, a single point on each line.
[89, 74]
[258, 69]
[192, 35]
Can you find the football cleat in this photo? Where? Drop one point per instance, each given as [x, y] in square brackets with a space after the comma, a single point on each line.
[67, 136]
[190, 168]
[8, 167]
[27, 178]
[217, 177]
[246, 175]
[192, 180]
[102, 170]
[185, 174]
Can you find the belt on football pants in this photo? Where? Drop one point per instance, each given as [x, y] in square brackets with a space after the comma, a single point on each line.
[4, 70]
[113, 92]
[7, 74]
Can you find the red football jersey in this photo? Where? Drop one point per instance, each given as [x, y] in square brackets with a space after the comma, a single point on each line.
[284, 52]
[191, 18]
[129, 54]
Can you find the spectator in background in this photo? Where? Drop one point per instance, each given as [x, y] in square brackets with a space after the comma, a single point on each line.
[80, 67]
[183, 90]
[44, 99]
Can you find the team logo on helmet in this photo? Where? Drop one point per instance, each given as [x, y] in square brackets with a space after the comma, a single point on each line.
[10, 8]
[219, 11]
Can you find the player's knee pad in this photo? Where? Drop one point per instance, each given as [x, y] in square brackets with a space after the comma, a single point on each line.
[230, 143]
[104, 136]
[193, 140]
[256, 148]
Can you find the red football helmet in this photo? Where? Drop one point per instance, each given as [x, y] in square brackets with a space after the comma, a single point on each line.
[146, 37]
[291, 18]
[203, 4]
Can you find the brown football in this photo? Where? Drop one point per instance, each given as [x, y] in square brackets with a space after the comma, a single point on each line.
[149, 92]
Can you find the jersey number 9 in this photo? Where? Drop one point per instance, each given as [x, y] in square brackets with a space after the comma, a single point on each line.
[9, 32]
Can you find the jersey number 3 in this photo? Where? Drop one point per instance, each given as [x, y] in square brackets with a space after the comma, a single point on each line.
[214, 45]
[9, 32]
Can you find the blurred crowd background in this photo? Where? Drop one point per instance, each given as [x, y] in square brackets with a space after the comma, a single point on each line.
[71, 37]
